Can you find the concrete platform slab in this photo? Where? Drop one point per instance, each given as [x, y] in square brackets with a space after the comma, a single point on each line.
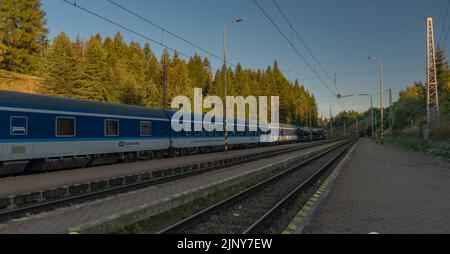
[386, 190]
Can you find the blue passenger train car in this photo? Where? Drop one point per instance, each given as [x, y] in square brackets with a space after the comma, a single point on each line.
[43, 133]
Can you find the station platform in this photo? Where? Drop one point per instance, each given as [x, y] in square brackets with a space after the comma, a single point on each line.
[115, 212]
[384, 190]
[40, 182]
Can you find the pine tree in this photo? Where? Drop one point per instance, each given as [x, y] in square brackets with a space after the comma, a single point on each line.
[242, 81]
[178, 81]
[135, 77]
[200, 73]
[152, 79]
[80, 47]
[60, 71]
[209, 81]
[23, 34]
[95, 78]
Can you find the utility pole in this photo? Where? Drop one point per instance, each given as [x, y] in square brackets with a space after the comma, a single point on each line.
[225, 78]
[432, 81]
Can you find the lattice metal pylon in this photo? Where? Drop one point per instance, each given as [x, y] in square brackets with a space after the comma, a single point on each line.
[432, 81]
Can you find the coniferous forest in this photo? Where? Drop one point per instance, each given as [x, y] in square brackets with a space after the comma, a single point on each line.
[113, 70]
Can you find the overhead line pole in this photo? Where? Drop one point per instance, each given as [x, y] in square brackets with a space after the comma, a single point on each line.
[225, 78]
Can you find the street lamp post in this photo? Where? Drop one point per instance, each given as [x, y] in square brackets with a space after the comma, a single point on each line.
[225, 78]
[381, 98]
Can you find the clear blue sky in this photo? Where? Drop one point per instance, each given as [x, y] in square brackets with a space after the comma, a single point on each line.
[345, 32]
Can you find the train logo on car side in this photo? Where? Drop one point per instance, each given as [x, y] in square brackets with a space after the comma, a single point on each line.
[128, 144]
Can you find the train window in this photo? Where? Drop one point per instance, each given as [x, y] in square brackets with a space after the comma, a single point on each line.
[18, 125]
[65, 127]
[111, 128]
[146, 129]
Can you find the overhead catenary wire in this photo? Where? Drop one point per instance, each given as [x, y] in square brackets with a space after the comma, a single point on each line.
[295, 49]
[159, 43]
[167, 31]
[308, 49]
[446, 38]
[444, 21]
[448, 30]
[304, 43]
[370, 73]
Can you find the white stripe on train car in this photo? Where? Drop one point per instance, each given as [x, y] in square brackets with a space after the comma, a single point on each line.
[37, 150]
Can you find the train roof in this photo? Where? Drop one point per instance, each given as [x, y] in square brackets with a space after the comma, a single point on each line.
[33, 101]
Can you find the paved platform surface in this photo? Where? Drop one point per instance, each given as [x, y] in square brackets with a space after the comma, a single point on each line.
[69, 219]
[386, 190]
[38, 182]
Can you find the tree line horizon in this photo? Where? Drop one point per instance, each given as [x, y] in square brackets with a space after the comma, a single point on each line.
[111, 70]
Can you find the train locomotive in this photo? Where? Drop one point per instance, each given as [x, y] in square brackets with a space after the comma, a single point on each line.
[44, 133]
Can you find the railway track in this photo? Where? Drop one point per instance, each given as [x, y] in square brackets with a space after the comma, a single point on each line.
[254, 209]
[69, 201]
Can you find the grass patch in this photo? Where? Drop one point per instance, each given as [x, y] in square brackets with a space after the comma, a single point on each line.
[438, 147]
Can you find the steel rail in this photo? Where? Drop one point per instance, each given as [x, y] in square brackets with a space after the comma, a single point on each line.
[182, 224]
[269, 215]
